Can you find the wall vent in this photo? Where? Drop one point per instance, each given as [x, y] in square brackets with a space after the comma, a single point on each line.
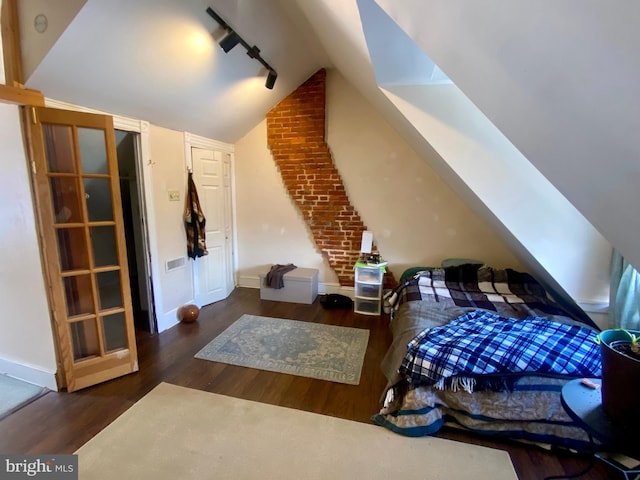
[175, 264]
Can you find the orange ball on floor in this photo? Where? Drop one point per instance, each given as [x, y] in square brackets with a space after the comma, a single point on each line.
[188, 313]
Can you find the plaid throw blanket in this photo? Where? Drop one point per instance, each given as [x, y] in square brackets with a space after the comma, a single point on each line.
[480, 343]
[475, 286]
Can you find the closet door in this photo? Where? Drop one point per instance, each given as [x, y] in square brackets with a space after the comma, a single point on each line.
[212, 182]
[82, 236]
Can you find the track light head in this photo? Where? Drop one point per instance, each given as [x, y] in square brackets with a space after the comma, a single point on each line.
[271, 79]
[232, 39]
[229, 41]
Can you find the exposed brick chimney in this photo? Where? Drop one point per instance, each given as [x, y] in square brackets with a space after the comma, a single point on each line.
[296, 137]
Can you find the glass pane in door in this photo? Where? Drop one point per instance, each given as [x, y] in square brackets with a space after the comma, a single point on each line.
[58, 144]
[72, 248]
[103, 241]
[98, 197]
[114, 331]
[93, 150]
[65, 199]
[84, 339]
[79, 295]
[109, 290]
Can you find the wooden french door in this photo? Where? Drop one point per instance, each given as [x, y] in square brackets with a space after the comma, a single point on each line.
[79, 209]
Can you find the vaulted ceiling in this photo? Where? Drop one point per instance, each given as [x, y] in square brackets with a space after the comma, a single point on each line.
[526, 65]
[158, 60]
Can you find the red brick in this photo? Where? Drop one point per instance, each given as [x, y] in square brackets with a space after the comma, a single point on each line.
[295, 134]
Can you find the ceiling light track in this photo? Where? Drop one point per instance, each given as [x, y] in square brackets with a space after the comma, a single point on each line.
[232, 38]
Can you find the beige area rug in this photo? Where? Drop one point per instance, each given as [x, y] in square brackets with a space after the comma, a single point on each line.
[177, 433]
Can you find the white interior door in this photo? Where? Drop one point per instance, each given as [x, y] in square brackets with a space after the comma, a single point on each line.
[211, 272]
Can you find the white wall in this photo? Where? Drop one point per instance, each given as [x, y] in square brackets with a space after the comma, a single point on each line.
[174, 288]
[564, 246]
[270, 229]
[26, 345]
[559, 79]
[35, 45]
[560, 239]
[415, 217]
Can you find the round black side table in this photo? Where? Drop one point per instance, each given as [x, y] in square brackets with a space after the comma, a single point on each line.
[584, 405]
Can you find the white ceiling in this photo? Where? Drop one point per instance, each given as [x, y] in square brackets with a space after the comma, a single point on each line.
[157, 60]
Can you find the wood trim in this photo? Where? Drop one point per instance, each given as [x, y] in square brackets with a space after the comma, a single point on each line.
[103, 375]
[62, 341]
[13, 91]
[11, 42]
[192, 140]
[21, 96]
[32, 148]
[116, 200]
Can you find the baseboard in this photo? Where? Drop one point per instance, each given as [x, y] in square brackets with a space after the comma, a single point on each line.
[168, 320]
[598, 312]
[251, 281]
[34, 375]
[594, 307]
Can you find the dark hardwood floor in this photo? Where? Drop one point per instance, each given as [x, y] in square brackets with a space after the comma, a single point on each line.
[62, 422]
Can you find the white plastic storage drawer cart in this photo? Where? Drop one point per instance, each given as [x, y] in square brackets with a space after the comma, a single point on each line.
[368, 289]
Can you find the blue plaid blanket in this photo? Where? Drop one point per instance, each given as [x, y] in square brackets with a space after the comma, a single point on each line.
[480, 343]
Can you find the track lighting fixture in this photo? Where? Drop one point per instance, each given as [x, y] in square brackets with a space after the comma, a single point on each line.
[271, 79]
[229, 41]
[232, 38]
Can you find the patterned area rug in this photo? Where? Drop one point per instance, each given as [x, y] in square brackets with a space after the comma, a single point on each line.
[305, 349]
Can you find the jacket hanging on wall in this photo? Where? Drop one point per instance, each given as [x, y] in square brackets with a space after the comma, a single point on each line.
[194, 222]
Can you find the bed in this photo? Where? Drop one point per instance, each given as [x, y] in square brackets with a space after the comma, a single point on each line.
[486, 350]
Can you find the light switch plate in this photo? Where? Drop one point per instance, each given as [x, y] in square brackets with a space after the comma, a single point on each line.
[174, 195]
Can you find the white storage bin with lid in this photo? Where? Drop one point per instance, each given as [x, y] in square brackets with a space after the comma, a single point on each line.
[300, 286]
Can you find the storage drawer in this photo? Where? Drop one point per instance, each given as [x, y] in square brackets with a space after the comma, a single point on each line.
[369, 290]
[369, 274]
[368, 307]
